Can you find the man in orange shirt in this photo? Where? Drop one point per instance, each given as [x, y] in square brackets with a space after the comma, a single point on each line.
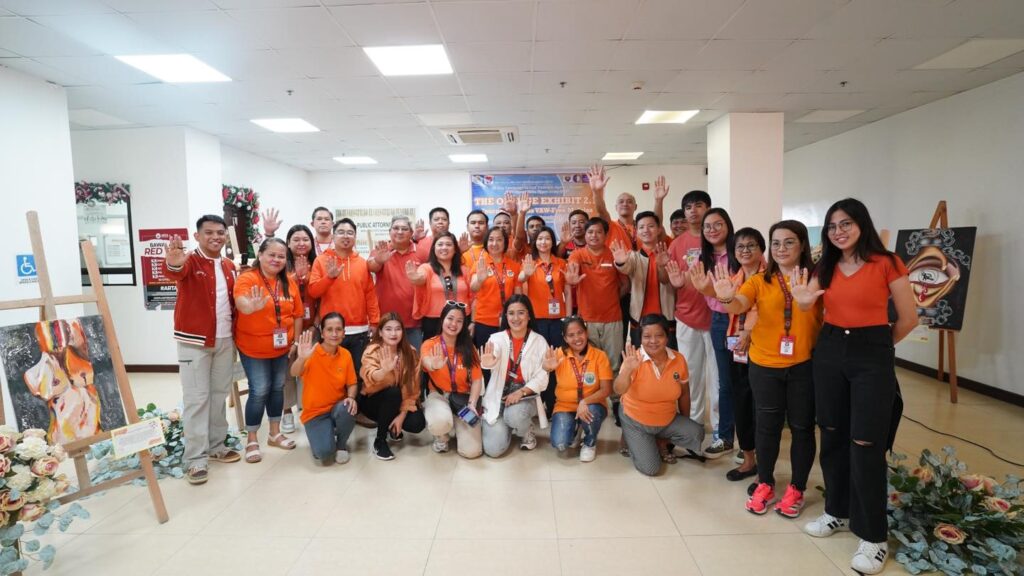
[394, 291]
[471, 243]
[592, 271]
[439, 222]
[341, 279]
[651, 292]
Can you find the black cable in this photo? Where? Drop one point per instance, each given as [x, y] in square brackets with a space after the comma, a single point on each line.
[985, 448]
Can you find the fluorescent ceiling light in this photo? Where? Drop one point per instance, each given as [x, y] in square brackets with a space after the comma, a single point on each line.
[468, 157]
[94, 118]
[622, 155]
[285, 124]
[355, 160]
[666, 116]
[827, 116]
[176, 68]
[974, 53]
[410, 60]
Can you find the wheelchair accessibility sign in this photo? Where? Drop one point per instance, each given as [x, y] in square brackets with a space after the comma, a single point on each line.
[26, 266]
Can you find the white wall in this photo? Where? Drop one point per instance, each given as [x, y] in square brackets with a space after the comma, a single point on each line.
[279, 186]
[966, 150]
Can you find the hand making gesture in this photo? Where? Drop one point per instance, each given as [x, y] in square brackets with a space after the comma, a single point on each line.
[487, 357]
[551, 360]
[271, 221]
[176, 252]
[700, 279]
[676, 276]
[252, 302]
[660, 188]
[725, 288]
[333, 268]
[619, 252]
[434, 360]
[801, 289]
[632, 357]
[572, 274]
[306, 345]
[529, 266]
[598, 179]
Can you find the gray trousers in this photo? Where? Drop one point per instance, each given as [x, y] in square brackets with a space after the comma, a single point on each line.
[205, 381]
[610, 338]
[643, 444]
[516, 418]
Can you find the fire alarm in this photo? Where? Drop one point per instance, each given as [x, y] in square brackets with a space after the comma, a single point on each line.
[645, 186]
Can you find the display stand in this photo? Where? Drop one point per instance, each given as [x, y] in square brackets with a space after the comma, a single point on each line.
[47, 304]
[237, 373]
[947, 338]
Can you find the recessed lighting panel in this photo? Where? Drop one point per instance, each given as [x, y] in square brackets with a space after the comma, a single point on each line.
[827, 116]
[175, 68]
[466, 158]
[974, 53]
[666, 116]
[622, 155]
[410, 60]
[355, 160]
[285, 125]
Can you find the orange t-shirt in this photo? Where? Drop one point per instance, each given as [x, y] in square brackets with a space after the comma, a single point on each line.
[624, 234]
[442, 377]
[593, 368]
[599, 291]
[469, 257]
[862, 299]
[652, 294]
[351, 294]
[254, 333]
[691, 306]
[540, 292]
[488, 300]
[431, 297]
[652, 398]
[770, 328]
[325, 381]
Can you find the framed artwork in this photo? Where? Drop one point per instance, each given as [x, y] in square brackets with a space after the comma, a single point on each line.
[939, 262]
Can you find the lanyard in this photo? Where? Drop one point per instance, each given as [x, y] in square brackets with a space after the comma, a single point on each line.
[500, 278]
[579, 371]
[274, 295]
[451, 291]
[787, 314]
[513, 366]
[549, 276]
[451, 361]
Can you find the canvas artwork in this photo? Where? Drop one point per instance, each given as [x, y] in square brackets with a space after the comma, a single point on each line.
[939, 262]
[60, 378]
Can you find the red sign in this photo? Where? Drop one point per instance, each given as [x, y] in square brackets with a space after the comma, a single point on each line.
[645, 186]
[160, 291]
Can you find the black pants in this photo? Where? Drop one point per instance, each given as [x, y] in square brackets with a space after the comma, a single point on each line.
[855, 392]
[382, 407]
[781, 395]
[743, 406]
[551, 330]
[356, 345]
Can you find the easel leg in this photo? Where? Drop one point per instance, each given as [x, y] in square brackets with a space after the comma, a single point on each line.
[942, 356]
[146, 460]
[952, 368]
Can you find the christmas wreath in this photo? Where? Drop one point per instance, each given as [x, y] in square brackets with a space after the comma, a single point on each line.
[245, 199]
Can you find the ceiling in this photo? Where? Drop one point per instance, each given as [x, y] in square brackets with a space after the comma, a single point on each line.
[303, 58]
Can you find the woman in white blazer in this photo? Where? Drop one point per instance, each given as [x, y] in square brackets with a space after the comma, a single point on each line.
[515, 356]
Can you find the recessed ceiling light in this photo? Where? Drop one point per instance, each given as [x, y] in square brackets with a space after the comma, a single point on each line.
[974, 53]
[622, 155]
[410, 60]
[468, 157]
[94, 118]
[285, 124]
[827, 116]
[666, 116]
[355, 160]
[175, 68]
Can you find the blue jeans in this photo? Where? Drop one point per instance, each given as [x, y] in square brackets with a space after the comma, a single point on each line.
[266, 388]
[563, 427]
[328, 433]
[723, 359]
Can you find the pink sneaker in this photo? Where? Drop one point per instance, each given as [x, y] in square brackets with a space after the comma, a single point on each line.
[763, 495]
[791, 504]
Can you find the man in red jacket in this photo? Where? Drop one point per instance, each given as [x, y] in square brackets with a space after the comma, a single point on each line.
[203, 326]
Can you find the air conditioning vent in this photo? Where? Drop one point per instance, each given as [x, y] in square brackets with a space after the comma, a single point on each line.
[463, 136]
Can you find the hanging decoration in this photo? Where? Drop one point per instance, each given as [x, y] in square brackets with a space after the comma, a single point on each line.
[245, 199]
[105, 193]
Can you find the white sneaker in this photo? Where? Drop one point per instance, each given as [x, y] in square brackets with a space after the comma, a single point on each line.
[738, 458]
[826, 525]
[588, 453]
[870, 557]
[288, 423]
[717, 448]
[341, 456]
[440, 444]
[529, 441]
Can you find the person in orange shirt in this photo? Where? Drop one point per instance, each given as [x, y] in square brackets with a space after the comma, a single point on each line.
[387, 262]
[455, 383]
[493, 283]
[270, 312]
[329, 391]
[439, 222]
[441, 280]
[543, 281]
[301, 256]
[341, 280]
[650, 291]
[655, 398]
[592, 271]
[583, 382]
[471, 243]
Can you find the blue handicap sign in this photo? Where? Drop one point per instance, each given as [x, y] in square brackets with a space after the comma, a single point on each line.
[26, 265]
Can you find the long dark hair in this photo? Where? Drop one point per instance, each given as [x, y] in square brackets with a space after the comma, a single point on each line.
[868, 244]
[554, 241]
[800, 230]
[405, 350]
[456, 258]
[518, 299]
[707, 251]
[282, 276]
[312, 245]
[463, 340]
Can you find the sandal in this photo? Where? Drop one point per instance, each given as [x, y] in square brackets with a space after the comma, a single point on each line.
[667, 456]
[281, 441]
[252, 455]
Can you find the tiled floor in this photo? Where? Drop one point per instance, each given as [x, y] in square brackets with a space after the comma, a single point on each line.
[527, 513]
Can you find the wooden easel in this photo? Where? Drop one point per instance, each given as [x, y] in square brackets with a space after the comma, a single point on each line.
[237, 374]
[939, 221]
[47, 304]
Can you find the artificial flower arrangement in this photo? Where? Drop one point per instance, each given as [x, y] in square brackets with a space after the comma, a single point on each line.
[105, 193]
[247, 199]
[954, 522]
[29, 488]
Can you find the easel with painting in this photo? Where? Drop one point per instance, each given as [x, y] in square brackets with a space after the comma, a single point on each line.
[77, 449]
[237, 373]
[947, 337]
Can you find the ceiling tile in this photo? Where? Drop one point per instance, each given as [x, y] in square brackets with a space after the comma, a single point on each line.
[29, 66]
[329, 62]
[876, 19]
[778, 19]
[245, 65]
[737, 54]
[556, 116]
[371, 121]
[585, 20]
[653, 81]
[201, 30]
[130, 6]
[28, 39]
[779, 81]
[502, 118]
[107, 33]
[575, 81]
[895, 54]
[819, 54]
[53, 7]
[707, 80]
[435, 104]
[655, 55]
[388, 24]
[360, 107]
[564, 55]
[235, 4]
[684, 101]
[486, 84]
[99, 70]
[292, 27]
[498, 102]
[461, 22]
[478, 57]
[736, 102]
[425, 85]
[681, 19]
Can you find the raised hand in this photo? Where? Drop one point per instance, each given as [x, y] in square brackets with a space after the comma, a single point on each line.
[388, 359]
[175, 252]
[725, 288]
[305, 345]
[524, 203]
[619, 252]
[419, 231]
[381, 252]
[252, 302]
[631, 358]
[660, 188]
[412, 272]
[572, 274]
[509, 204]
[464, 242]
[566, 231]
[529, 266]
[333, 268]
[598, 179]
[660, 254]
[800, 287]
[676, 276]
[700, 279]
[487, 357]
[481, 267]
[434, 360]
[302, 268]
[551, 360]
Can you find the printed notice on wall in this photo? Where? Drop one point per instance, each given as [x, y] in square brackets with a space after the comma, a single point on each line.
[159, 291]
[373, 223]
[137, 437]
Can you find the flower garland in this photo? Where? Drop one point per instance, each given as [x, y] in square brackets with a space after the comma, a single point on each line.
[957, 523]
[106, 193]
[247, 199]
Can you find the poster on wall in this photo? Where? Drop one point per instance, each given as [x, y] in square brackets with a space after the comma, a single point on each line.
[939, 262]
[60, 378]
[376, 221]
[159, 291]
[553, 196]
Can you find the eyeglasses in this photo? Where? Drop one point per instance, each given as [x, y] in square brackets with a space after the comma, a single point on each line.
[787, 244]
[456, 304]
[574, 318]
[716, 226]
[345, 233]
[747, 247]
[843, 226]
[401, 229]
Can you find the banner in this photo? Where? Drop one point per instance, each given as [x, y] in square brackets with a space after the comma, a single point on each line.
[553, 196]
[375, 221]
[159, 291]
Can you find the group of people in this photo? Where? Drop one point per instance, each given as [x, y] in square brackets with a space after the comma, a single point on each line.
[476, 337]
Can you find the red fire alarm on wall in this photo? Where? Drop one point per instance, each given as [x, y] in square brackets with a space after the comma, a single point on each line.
[645, 186]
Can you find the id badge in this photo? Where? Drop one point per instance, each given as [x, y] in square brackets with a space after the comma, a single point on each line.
[731, 341]
[280, 338]
[307, 314]
[787, 345]
[590, 378]
[554, 308]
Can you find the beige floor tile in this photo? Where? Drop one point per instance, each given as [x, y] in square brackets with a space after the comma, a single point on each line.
[609, 464]
[515, 466]
[761, 554]
[702, 506]
[128, 555]
[103, 505]
[251, 552]
[840, 548]
[608, 508]
[666, 556]
[391, 509]
[271, 506]
[379, 557]
[505, 557]
[498, 510]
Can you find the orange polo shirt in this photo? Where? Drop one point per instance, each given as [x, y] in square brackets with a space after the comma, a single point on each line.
[469, 257]
[624, 234]
[653, 397]
[254, 333]
[325, 381]
[351, 294]
[394, 291]
[862, 299]
[652, 292]
[540, 292]
[442, 378]
[488, 300]
[599, 291]
[594, 367]
[765, 338]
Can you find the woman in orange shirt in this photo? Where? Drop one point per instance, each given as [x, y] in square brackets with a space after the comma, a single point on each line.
[300, 262]
[441, 280]
[452, 367]
[653, 383]
[270, 312]
[493, 284]
[391, 386]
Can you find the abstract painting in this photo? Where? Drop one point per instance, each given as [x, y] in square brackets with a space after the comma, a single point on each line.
[939, 262]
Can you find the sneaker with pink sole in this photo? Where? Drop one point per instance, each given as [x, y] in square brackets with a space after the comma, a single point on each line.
[762, 497]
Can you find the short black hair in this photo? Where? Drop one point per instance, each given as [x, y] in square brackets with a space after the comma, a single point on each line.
[694, 196]
[535, 217]
[579, 212]
[332, 316]
[597, 221]
[679, 214]
[323, 209]
[647, 214]
[752, 233]
[487, 219]
[439, 209]
[654, 320]
[345, 221]
[210, 218]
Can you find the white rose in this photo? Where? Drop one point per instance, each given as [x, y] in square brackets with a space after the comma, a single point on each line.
[8, 430]
[21, 479]
[32, 448]
[43, 492]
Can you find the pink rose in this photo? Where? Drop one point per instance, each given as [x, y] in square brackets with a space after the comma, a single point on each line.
[45, 466]
[996, 504]
[173, 416]
[61, 484]
[58, 452]
[31, 512]
[894, 500]
[4, 517]
[6, 443]
[978, 483]
[950, 534]
[5, 465]
[34, 433]
[923, 474]
[8, 503]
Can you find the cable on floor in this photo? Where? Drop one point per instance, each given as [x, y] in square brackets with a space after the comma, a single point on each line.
[985, 448]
